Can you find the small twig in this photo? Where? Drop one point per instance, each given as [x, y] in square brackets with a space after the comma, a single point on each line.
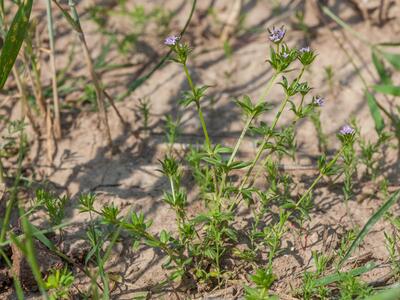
[111, 100]
[95, 79]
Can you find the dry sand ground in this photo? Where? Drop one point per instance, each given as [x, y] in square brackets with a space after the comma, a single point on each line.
[130, 179]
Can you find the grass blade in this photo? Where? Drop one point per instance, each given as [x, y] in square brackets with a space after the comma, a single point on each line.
[75, 25]
[380, 68]
[393, 59]
[389, 294]
[338, 276]
[14, 39]
[371, 222]
[375, 112]
[387, 89]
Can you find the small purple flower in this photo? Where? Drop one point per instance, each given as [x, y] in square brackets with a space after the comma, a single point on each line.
[319, 101]
[171, 40]
[285, 55]
[304, 50]
[276, 34]
[347, 130]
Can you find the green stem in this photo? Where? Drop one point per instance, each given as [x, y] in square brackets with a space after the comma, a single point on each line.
[297, 118]
[261, 148]
[203, 125]
[328, 166]
[245, 129]
[198, 107]
[250, 119]
[178, 219]
[268, 88]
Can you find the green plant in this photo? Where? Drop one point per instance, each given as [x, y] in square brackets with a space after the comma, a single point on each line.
[144, 108]
[245, 205]
[59, 283]
[204, 241]
[263, 280]
[315, 118]
[353, 288]
[349, 161]
[370, 153]
[54, 206]
[172, 130]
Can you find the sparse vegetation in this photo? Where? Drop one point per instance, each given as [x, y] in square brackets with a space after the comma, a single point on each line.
[230, 210]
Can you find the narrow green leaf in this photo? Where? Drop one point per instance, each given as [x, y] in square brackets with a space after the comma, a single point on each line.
[371, 222]
[75, 25]
[338, 276]
[389, 294]
[380, 68]
[14, 39]
[90, 254]
[387, 89]
[393, 59]
[375, 112]
[41, 237]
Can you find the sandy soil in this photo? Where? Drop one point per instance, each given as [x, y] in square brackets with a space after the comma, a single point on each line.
[130, 179]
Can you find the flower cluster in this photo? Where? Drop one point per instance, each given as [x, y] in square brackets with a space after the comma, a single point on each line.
[171, 40]
[181, 50]
[347, 135]
[319, 101]
[304, 50]
[306, 56]
[276, 35]
[347, 130]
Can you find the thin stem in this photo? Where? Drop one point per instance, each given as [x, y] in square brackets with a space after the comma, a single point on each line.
[248, 123]
[189, 78]
[297, 118]
[328, 166]
[28, 59]
[261, 148]
[203, 125]
[95, 79]
[245, 129]
[171, 182]
[198, 107]
[270, 83]
[56, 101]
